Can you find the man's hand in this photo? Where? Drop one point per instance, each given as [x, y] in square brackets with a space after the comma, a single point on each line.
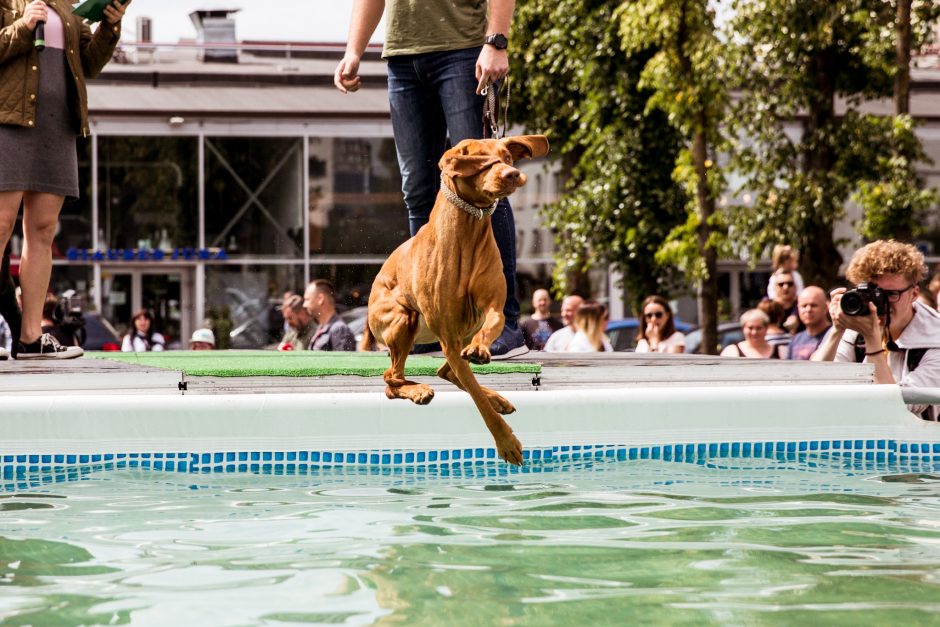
[869, 327]
[346, 78]
[492, 65]
[34, 13]
[835, 308]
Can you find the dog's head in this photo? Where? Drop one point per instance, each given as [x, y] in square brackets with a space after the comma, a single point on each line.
[482, 170]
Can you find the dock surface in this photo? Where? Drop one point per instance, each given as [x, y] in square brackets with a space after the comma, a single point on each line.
[558, 371]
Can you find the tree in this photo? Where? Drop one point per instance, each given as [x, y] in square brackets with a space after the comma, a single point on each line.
[579, 86]
[894, 198]
[794, 60]
[684, 76]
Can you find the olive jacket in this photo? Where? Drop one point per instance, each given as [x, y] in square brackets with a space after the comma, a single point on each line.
[87, 54]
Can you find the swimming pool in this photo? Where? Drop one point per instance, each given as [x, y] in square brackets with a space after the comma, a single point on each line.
[294, 432]
[681, 505]
[786, 539]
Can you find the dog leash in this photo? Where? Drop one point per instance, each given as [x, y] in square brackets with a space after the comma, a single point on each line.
[491, 110]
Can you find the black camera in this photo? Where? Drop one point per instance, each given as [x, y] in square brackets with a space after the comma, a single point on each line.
[67, 316]
[855, 301]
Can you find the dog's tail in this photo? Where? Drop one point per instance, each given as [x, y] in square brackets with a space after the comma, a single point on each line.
[368, 343]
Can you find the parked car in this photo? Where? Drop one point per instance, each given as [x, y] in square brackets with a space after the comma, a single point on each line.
[622, 333]
[728, 333]
[99, 334]
[356, 319]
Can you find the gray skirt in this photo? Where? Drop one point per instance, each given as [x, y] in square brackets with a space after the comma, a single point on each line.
[43, 158]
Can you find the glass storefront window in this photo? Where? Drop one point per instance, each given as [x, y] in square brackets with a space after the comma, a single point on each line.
[243, 302]
[353, 282]
[254, 202]
[148, 192]
[356, 205]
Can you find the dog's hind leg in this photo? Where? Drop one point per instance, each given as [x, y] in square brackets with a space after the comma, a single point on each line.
[497, 402]
[507, 445]
[399, 336]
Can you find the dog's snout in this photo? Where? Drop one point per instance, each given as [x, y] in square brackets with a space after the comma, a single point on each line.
[513, 176]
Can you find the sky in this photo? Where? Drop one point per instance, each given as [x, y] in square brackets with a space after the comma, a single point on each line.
[294, 20]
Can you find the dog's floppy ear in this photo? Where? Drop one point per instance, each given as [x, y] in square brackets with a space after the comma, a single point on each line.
[526, 146]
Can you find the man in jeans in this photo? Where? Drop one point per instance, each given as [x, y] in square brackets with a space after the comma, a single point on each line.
[441, 55]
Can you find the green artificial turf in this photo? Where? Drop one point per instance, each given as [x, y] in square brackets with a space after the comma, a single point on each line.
[245, 363]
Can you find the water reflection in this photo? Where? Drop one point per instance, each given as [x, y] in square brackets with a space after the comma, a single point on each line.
[594, 542]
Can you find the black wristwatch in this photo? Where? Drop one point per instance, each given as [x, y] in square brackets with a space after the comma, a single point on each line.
[498, 41]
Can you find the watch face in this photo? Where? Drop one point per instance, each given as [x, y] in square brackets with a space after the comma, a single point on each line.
[498, 41]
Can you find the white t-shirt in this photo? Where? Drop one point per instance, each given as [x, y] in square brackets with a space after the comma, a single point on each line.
[923, 331]
[133, 343]
[580, 343]
[676, 339]
[558, 341]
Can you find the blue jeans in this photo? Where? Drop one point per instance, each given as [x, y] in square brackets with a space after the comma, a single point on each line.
[434, 106]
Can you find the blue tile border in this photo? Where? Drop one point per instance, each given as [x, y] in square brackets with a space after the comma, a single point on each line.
[14, 466]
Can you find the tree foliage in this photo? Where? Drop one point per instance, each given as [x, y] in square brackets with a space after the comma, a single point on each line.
[580, 87]
[632, 95]
[796, 61]
[685, 77]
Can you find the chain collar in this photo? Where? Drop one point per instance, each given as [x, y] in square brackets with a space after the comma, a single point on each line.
[460, 203]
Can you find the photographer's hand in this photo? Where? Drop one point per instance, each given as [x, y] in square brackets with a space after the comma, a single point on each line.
[835, 309]
[869, 327]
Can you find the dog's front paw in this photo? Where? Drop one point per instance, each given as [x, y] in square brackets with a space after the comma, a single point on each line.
[510, 449]
[476, 354]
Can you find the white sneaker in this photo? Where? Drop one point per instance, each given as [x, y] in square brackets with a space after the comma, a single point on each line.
[47, 347]
[4, 354]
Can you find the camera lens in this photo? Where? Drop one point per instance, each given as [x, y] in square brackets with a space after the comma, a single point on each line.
[853, 304]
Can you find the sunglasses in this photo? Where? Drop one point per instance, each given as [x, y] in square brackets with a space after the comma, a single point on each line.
[654, 314]
[786, 284]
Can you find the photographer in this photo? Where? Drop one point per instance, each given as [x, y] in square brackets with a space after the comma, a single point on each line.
[880, 322]
[59, 321]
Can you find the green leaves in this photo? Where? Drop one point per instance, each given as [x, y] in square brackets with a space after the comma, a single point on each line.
[580, 86]
[628, 89]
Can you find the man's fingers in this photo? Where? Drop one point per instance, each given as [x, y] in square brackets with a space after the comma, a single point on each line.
[346, 78]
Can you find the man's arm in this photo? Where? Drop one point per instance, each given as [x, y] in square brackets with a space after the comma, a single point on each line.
[829, 346]
[366, 15]
[493, 64]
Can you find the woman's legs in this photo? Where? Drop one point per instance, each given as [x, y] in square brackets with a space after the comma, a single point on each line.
[40, 216]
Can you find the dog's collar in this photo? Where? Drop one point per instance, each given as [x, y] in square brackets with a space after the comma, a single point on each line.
[460, 203]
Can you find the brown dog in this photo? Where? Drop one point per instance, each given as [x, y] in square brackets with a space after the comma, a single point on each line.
[446, 283]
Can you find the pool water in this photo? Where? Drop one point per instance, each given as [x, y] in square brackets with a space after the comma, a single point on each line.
[777, 541]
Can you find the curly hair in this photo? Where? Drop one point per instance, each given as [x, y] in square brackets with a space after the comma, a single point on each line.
[886, 257]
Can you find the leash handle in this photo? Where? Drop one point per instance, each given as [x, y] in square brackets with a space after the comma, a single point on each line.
[491, 110]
